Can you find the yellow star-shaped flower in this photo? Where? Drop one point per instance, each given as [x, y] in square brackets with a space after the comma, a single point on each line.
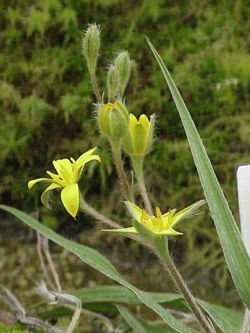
[68, 174]
[158, 224]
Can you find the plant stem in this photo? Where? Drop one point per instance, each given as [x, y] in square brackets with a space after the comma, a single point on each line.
[117, 156]
[185, 291]
[95, 88]
[144, 194]
[137, 163]
[86, 208]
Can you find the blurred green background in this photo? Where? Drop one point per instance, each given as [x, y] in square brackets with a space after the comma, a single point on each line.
[47, 112]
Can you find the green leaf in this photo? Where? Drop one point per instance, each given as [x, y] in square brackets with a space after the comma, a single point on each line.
[132, 321]
[235, 253]
[139, 325]
[100, 263]
[229, 321]
[118, 294]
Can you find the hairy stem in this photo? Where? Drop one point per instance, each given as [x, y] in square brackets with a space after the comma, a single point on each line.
[187, 294]
[117, 156]
[95, 88]
[137, 163]
[144, 194]
[86, 208]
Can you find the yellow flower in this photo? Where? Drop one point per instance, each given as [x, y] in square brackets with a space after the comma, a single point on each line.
[139, 137]
[68, 174]
[158, 224]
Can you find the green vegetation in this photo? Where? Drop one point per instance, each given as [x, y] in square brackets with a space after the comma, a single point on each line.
[46, 106]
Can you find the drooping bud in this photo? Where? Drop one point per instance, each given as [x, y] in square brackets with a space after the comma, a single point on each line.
[123, 66]
[139, 137]
[91, 46]
[113, 120]
[112, 82]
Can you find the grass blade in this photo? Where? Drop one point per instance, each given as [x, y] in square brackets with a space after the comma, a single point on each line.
[235, 253]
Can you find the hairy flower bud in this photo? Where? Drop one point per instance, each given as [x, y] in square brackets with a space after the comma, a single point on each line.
[113, 120]
[112, 82]
[123, 66]
[91, 46]
[139, 137]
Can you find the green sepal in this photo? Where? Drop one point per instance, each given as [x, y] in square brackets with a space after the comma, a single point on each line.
[161, 244]
[144, 231]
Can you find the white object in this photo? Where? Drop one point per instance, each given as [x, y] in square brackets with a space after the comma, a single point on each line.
[243, 184]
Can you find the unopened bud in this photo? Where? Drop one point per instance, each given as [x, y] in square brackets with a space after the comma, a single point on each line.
[123, 66]
[91, 46]
[139, 137]
[112, 82]
[113, 120]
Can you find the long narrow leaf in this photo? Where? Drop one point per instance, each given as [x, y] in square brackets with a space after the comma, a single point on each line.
[118, 294]
[100, 263]
[132, 321]
[235, 253]
[229, 321]
[138, 325]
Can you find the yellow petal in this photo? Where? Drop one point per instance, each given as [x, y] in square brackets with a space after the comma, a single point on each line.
[168, 218]
[81, 162]
[158, 212]
[31, 183]
[134, 210]
[130, 230]
[45, 194]
[70, 199]
[144, 121]
[56, 179]
[85, 155]
[132, 121]
[139, 136]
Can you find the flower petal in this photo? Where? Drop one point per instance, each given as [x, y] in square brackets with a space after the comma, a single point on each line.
[70, 199]
[188, 212]
[139, 136]
[129, 230]
[64, 169]
[31, 183]
[83, 161]
[144, 121]
[134, 211]
[85, 155]
[46, 194]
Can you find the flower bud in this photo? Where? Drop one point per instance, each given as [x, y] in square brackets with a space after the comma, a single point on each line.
[112, 81]
[91, 46]
[122, 65]
[113, 120]
[139, 137]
